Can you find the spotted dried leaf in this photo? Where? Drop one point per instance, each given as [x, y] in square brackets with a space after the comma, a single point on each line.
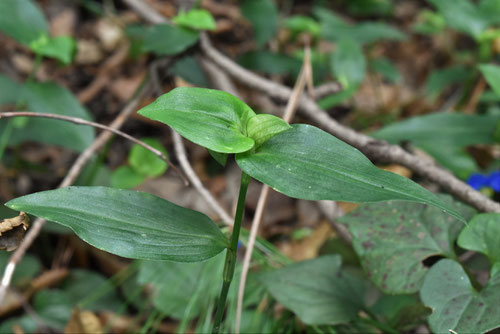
[393, 239]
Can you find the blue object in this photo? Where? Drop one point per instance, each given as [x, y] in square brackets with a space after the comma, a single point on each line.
[478, 181]
[494, 181]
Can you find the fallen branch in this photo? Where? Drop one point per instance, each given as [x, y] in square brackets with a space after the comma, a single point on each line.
[375, 149]
[148, 13]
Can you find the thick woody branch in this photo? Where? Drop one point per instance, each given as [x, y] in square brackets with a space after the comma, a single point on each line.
[375, 149]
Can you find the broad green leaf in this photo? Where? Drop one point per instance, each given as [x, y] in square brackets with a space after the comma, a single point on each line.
[387, 69]
[492, 76]
[182, 289]
[52, 98]
[210, 118]
[62, 47]
[199, 19]
[308, 163]
[429, 23]
[444, 135]
[270, 62]
[490, 10]
[483, 235]
[128, 223]
[489, 97]
[302, 24]
[163, 39]
[456, 304]
[401, 312]
[9, 90]
[348, 63]
[334, 28]
[125, 177]
[25, 322]
[382, 232]
[263, 15]
[264, 126]
[145, 162]
[337, 98]
[371, 32]
[370, 7]
[318, 291]
[22, 20]
[462, 15]
[453, 157]
[221, 158]
[7, 213]
[439, 80]
[53, 307]
[91, 291]
[95, 173]
[190, 70]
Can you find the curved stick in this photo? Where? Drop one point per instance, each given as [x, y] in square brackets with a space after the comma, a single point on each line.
[376, 149]
[81, 121]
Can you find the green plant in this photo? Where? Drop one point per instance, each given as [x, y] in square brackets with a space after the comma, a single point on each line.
[300, 161]
[27, 25]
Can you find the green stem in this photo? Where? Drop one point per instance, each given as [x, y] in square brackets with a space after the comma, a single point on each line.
[230, 263]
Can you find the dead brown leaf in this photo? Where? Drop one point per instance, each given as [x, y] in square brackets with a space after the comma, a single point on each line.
[308, 247]
[10, 223]
[83, 322]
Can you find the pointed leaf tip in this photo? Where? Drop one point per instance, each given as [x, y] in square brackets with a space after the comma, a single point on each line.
[128, 223]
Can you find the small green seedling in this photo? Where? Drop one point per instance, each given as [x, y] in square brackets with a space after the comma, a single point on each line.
[298, 160]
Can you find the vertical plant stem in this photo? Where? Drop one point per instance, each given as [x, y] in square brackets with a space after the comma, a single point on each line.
[230, 263]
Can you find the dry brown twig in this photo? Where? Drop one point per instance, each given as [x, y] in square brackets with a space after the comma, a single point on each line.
[375, 149]
[80, 121]
[103, 78]
[180, 152]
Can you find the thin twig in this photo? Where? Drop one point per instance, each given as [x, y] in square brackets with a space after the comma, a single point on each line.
[68, 180]
[290, 110]
[470, 107]
[218, 77]
[180, 152]
[375, 149]
[104, 74]
[81, 121]
[148, 13]
[326, 89]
